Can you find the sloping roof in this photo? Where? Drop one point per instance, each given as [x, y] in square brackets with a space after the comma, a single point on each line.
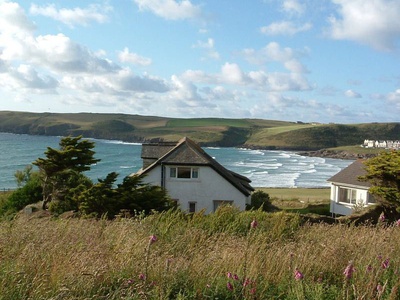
[187, 152]
[350, 175]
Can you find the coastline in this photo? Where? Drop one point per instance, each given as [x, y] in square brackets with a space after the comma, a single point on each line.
[337, 154]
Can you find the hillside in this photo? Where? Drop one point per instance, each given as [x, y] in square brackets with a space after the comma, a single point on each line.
[252, 133]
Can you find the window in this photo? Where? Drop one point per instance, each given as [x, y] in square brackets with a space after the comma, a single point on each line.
[218, 203]
[348, 195]
[184, 172]
[192, 207]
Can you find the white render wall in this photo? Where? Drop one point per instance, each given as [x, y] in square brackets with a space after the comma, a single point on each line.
[342, 208]
[203, 191]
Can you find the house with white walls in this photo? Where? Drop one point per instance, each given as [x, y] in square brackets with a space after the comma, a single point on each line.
[348, 193]
[192, 177]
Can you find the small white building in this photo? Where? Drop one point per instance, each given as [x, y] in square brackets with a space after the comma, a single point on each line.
[348, 193]
[192, 177]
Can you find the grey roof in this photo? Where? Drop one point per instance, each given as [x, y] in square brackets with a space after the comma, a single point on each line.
[349, 175]
[187, 152]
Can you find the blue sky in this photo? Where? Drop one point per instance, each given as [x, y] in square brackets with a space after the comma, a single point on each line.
[312, 60]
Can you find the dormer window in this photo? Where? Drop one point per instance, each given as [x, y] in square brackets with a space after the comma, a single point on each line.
[184, 172]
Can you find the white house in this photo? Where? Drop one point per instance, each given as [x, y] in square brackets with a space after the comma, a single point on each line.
[192, 177]
[348, 193]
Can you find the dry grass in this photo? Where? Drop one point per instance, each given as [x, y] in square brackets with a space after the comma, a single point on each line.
[45, 258]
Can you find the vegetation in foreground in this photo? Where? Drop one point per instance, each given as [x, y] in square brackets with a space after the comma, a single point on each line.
[172, 255]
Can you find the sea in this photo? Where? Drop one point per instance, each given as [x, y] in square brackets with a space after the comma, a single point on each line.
[265, 168]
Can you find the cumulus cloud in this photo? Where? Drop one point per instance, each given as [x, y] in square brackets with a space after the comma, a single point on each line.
[13, 19]
[171, 9]
[372, 22]
[133, 58]
[285, 28]
[293, 6]
[75, 16]
[352, 94]
[209, 47]
[274, 52]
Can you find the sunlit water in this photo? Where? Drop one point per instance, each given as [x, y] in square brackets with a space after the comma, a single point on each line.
[264, 168]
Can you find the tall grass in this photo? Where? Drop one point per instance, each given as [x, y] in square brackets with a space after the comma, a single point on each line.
[219, 256]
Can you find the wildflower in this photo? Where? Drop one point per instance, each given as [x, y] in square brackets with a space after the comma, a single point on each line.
[235, 277]
[398, 223]
[229, 275]
[379, 288]
[246, 282]
[348, 272]
[254, 224]
[142, 276]
[253, 291]
[298, 275]
[385, 263]
[229, 286]
[152, 239]
[382, 217]
[130, 281]
[369, 268]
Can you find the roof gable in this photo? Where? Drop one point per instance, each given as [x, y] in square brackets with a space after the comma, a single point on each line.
[350, 174]
[187, 152]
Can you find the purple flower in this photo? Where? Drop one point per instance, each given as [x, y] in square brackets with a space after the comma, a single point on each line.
[348, 272]
[152, 239]
[229, 286]
[254, 224]
[369, 268]
[398, 223]
[142, 276]
[229, 275]
[235, 277]
[385, 263]
[382, 217]
[298, 275]
[246, 282]
[379, 288]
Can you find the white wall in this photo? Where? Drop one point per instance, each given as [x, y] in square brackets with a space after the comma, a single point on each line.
[204, 190]
[342, 208]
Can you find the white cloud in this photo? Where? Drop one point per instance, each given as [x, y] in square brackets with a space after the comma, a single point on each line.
[75, 16]
[126, 56]
[171, 9]
[372, 22]
[209, 47]
[285, 28]
[274, 52]
[13, 20]
[352, 94]
[293, 6]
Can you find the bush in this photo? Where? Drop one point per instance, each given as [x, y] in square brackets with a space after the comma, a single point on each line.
[260, 200]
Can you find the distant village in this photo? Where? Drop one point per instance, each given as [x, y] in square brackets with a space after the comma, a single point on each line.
[382, 144]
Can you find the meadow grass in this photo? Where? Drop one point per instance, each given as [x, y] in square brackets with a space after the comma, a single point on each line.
[173, 255]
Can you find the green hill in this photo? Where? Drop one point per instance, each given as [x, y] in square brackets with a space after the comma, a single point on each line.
[254, 133]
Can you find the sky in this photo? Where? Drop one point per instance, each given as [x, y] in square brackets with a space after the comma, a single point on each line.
[327, 61]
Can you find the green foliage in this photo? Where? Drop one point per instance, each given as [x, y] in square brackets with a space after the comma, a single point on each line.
[29, 191]
[132, 196]
[383, 172]
[61, 170]
[260, 200]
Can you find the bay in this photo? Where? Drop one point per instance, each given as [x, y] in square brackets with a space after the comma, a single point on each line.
[263, 167]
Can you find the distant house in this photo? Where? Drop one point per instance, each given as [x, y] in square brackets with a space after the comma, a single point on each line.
[192, 177]
[347, 192]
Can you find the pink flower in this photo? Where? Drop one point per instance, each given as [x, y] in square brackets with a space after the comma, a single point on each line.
[229, 275]
[382, 217]
[379, 288]
[369, 268]
[253, 291]
[142, 276]
[246, 282]
[235, 277]
[398, 223]
[348, 272]
[229, 286]
[298, 275]
[254, 224]
[385, 263]
[152, 239]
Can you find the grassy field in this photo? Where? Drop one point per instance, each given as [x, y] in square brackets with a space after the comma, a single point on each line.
[177, 256]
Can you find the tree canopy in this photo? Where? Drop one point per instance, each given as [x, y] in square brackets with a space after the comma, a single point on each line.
[383, 172]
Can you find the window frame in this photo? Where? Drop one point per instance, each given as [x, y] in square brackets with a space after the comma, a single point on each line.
[181, 172]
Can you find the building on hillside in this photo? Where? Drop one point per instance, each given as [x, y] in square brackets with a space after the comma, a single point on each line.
[348, 193]
[192, 177]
